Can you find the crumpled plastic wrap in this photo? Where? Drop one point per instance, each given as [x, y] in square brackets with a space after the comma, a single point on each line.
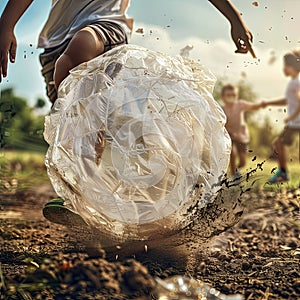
[184, 288]
[130, 136]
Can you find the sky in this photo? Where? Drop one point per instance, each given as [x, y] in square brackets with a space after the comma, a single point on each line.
[170, 25]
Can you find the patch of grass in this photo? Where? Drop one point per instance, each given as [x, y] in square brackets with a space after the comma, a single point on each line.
[24, 156]
[27, 168]
[21, 169]
[267, 169]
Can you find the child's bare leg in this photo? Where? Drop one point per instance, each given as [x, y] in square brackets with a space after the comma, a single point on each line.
[242, 158]
[280, 150]
[84, 46]
[233, 160]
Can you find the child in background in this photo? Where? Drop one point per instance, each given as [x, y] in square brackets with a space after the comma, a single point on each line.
[292, 128]
[236, 126]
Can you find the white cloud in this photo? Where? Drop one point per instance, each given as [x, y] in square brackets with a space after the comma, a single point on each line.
[219, 56]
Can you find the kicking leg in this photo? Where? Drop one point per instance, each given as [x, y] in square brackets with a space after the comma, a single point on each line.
[84, 46]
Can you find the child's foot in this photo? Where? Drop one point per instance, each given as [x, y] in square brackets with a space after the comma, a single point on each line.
[56, 212]
[236, 178]
[279, 176]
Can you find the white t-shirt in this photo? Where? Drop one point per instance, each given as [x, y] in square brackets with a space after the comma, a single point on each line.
[68, 16]
[293, 102]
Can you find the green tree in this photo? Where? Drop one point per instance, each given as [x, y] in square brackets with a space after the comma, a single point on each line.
[19, 126]
[40, 103]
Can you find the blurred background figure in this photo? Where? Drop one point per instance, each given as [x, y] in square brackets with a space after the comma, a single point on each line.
[236, 126]
[292, 100]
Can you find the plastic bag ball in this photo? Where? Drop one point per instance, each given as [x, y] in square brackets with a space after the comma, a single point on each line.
[130, 136]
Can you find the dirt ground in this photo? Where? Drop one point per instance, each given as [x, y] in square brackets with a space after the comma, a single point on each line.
[258, 257]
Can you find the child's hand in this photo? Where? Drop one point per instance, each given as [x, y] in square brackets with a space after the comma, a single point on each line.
[8, 47]
[287, 120]
[263, 104]
[242, 38]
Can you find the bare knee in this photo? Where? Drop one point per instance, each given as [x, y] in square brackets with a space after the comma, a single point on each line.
[84, 46]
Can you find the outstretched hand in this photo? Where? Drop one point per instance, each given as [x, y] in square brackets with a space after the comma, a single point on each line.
[8, 47]
[287, 120]
[263, 104]
[243, 38]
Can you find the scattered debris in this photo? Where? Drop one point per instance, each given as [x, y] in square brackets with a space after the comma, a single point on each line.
[185, 52]
[140, 30]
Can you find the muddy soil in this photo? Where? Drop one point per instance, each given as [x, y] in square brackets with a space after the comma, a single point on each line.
[258, 258]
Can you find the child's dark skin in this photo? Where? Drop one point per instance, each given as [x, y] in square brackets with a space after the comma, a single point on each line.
[86, 45]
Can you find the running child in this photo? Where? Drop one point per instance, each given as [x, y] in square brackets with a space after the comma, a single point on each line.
[236, 126]
[292, 128]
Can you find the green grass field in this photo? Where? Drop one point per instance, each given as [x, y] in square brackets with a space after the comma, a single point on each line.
[265, 172]
[27, 169]
[23, 156]
[21, 169]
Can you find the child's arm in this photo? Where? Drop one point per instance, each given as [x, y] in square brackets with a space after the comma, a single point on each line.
[279, 102]
[240, 34]
[8, 44]
[248, 106]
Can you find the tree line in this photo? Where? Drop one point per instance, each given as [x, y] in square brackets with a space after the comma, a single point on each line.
[21, 127]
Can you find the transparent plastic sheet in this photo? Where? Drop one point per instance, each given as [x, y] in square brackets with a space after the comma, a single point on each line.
[130, 136]
[184, 288]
